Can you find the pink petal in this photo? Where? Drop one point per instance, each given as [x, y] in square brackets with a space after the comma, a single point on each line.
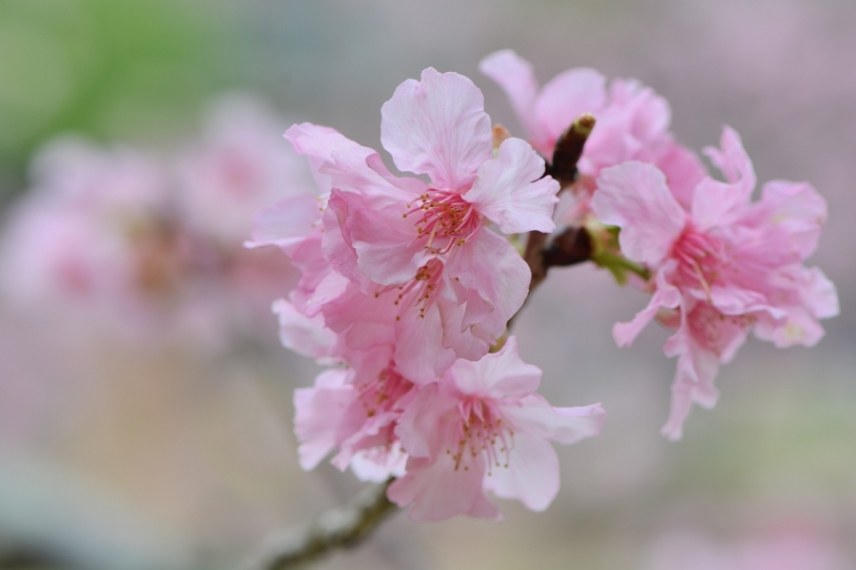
[286, 223]
[683, 171]
[318, 413]
[733, 161]
[423, 427]
[512, 191]
[499, 375]
[438, 491]
[719, 204]
[489, 265]
[305, 335]
[531, 476]
[798, 209]
[634, 196]
[384, 243]
[665, 297]
[536, 417]
[515, 76]
[566, 97]
[693, 384]
[419, 350]
[819, 294]
[694, 379]
[339, 162]
[437, 126]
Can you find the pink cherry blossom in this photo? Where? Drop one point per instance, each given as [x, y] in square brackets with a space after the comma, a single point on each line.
[445, 283]
[632, 123]
[483, 428]
[237, 165]
[724, 266]
[138, 245]
[353, 413]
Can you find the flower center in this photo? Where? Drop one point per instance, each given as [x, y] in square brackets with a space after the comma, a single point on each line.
[482, 433]
[715, 331]
[419, 291]
[700, 259]
[445, 220]
[383, 392]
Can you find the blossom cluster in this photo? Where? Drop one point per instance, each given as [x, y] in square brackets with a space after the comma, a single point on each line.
[409, 281]
[717, 264]
[138, 243]
[408, 284]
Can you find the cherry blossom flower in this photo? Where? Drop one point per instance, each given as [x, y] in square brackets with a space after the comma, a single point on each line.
[139, 245]
[632, 122]
[235, 167]
[353, 412]
[724, 266]
[446, 282]
[483, 428]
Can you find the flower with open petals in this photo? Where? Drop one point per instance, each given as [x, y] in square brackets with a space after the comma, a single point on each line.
[632, 122]
[424, 249]
[483, 428]
[724, 266]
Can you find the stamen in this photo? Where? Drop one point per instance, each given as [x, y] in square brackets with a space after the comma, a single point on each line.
[483, 435]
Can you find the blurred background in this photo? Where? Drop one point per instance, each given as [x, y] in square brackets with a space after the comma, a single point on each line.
[159, 445]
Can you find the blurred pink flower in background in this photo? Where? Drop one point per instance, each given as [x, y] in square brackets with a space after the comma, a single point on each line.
[791, 545]
[152, 248]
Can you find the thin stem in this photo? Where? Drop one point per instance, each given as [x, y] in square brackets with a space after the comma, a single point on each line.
[613, 261]
[340, 528]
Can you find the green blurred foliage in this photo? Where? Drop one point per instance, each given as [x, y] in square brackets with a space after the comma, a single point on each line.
[105, 68]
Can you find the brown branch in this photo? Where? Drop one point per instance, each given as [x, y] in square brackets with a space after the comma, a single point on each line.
[574, 244]
[337, 529]
[569, 149]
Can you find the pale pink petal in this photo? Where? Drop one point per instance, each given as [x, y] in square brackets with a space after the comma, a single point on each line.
[666, 296]
[424, 426]
[809, 296]
[720, 204]
[647, 115]
[566, 97]
[462, 313]
[339, 162]
[634, 196]
[286, 223]
[531, 474]
[516, 77]
[567, 426]
[385, 244]
[318, 413]
[819, 294]
[717, 204]
[437, 491]
[733, 161]
[694, 378]
[491, 266]
[420, 353]
[305, 335]
[683, 171]
[499, 374]
[437, 126]
[378, 465]
[512, 191]
[798, 209]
